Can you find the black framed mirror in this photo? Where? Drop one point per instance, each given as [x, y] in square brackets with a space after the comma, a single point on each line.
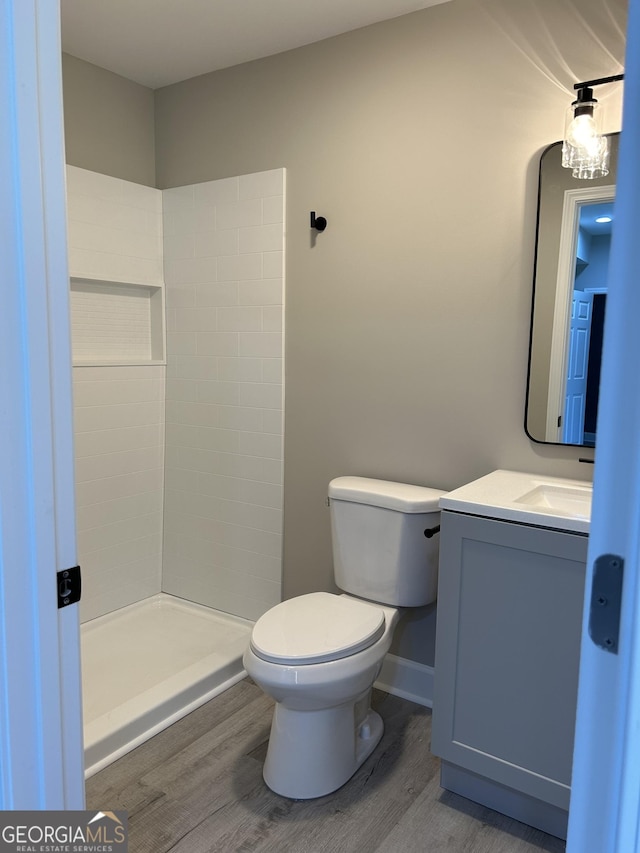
[573, 235]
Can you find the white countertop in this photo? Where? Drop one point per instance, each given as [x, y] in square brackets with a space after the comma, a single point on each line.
[527, 498]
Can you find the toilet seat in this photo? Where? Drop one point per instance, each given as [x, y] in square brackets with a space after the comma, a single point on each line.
[316, 628]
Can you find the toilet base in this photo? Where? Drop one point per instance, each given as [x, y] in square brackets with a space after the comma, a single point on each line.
[312, 753]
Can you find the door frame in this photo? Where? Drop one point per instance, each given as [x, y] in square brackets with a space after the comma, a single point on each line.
[41, 745]
[605, 786]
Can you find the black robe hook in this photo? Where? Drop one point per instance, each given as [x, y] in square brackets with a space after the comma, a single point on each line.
[319, 223]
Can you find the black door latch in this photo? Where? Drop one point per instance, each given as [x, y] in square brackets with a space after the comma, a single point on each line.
[69, 586]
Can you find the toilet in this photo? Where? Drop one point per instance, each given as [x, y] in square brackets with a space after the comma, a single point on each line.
[319, 654]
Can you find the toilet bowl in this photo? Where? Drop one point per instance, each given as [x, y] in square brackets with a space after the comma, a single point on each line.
[323, 728]
[319, 654]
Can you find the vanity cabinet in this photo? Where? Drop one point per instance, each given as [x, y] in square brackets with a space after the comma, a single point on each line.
[510, 601]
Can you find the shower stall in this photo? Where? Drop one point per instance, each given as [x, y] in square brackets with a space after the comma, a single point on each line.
[177, 325]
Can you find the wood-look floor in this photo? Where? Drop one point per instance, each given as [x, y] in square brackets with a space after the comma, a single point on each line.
[198, 787]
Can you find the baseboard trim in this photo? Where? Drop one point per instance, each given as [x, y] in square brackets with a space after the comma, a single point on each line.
[407, 679]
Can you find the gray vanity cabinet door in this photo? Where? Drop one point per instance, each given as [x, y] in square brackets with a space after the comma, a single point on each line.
[510, 603]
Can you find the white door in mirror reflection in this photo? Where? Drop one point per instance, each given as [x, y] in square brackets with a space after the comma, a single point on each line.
[576, 387]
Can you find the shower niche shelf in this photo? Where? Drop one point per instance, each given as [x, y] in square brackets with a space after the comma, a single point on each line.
[116, 322]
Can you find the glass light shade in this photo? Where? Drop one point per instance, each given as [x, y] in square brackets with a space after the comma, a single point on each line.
[597, 164]
[585, 150]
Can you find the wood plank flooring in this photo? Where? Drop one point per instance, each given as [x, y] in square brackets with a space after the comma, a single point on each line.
[197, 787]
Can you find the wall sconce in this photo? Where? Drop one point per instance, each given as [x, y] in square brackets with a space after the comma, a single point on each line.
[585, 149]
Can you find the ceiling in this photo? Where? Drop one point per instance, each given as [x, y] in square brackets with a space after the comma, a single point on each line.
[590, 212]
[158, 42]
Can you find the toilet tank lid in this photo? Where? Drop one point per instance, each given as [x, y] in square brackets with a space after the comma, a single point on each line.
[401, 497]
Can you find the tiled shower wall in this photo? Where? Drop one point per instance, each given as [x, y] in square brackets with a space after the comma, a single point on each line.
[115, 235]
[119, 473]
[224, 395]
[221, 479]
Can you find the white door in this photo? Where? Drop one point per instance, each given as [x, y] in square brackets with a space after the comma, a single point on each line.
[41, 764]
[605, 786]
[576, 380]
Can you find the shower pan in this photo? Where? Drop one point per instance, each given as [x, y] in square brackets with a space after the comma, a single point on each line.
[149, 664]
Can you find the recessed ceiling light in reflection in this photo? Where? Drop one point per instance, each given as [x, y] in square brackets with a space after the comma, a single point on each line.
[604, 219]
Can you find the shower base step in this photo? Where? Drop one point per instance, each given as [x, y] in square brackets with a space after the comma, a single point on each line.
[149, 664]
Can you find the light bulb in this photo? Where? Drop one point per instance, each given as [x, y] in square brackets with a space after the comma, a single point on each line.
[583, 133]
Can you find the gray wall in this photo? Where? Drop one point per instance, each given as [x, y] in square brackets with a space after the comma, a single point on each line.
[407, 320]
[108, 122]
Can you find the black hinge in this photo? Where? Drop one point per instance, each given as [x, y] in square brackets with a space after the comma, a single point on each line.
[606, 601]
[69, 586]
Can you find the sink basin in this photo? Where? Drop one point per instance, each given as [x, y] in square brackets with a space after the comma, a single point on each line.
[526, 498]
[567, 500]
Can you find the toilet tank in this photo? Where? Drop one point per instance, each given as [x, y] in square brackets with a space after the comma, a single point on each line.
[380, 550]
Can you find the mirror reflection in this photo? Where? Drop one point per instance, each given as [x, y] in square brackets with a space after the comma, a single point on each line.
[575, 219]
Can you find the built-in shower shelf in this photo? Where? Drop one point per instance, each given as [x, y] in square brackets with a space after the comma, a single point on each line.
[116, 323]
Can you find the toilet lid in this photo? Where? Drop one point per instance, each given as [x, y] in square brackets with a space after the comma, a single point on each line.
[316, 628]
